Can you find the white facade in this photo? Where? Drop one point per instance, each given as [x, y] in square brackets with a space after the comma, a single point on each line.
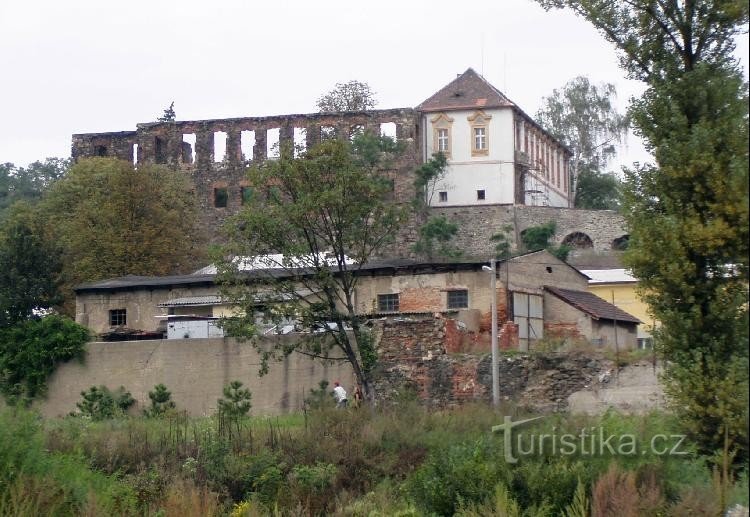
[471, 171]
[496, 153]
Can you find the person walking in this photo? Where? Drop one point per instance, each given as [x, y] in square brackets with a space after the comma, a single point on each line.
[339, 394]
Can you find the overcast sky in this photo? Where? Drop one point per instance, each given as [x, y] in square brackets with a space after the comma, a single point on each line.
[81, 66]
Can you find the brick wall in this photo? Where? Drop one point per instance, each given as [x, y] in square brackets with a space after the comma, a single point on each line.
[418, 355]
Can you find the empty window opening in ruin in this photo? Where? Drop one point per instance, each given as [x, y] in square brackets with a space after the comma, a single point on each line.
[621, 243]
[160, 150]
[388, 129]
[578, 240]
[247, 145]
[220, 146]
[272, 143]
[388, 302]
[356, 130]
[300, 140]
[443, 196]
[118, 317]
[481, 195]
[188, 148]
[327, 132]
[246, 195]
[458, 299]
[101, 150]
[135, 154]
[221, 196]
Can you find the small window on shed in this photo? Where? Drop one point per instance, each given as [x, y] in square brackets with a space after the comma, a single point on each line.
[458, 299]
[443, 197]
[388, 302]
[481, 195]
[220, 197]
[118, 317]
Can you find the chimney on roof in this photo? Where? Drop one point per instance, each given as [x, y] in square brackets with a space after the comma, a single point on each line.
[457, 92]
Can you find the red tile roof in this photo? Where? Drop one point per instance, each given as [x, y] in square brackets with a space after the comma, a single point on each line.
[467, 91]
[591, 304]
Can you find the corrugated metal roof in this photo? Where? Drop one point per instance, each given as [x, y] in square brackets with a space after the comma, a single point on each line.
[192, 301]
[591, 304]
[609, 276]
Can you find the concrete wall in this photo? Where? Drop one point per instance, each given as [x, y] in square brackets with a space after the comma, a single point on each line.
[194, 370]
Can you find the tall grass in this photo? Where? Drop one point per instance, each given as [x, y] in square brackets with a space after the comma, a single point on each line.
[398, 460]
[34, 481]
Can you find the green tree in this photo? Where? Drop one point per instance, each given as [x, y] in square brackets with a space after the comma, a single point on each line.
[582, 116]
[100, 403]
[161, 401]
[435, 238]
[349, 96]
[436, 232]
[169, 114]
[236, 401]
[31, 346]
[30, 351]
[112, 219]
[538, 237]
[29, 266]
[28, 183]
[503, 243]
[327, 212]
[597, 191]
[688, 214]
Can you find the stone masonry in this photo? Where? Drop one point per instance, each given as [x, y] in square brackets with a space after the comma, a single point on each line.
[414, 355]
[219, 183]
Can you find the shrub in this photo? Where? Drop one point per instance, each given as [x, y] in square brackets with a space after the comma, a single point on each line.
[319, 397]
[31, 350]
[34, 481]
[99, 403]
[236, 402]
[550, 481]
[465, 472]
[161, 401]
[312, 484]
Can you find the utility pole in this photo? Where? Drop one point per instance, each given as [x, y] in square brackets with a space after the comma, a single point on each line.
[495, 353]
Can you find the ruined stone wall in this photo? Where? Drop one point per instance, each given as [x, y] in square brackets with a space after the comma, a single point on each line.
[191, 147]
[413, 355]
[477, 225]
[216, 153]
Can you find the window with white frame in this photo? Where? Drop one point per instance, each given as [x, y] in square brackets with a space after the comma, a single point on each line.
[480, 138]
[441, 130]
[443, 140]
[443, 196]
[479, 123]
